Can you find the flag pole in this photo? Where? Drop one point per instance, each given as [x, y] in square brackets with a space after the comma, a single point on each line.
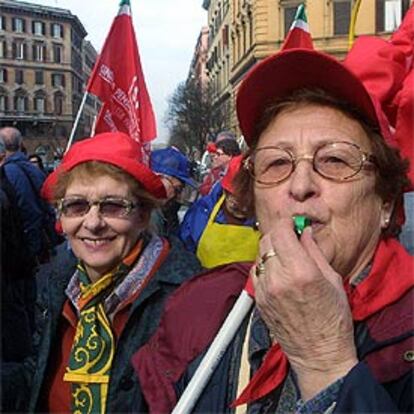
[352, 23]
[75, 124]
[214, 354]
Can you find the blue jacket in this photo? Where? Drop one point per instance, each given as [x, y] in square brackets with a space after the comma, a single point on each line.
[196, 218]
[18, 169]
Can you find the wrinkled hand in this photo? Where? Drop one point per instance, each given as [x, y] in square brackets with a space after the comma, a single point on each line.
[303, 303]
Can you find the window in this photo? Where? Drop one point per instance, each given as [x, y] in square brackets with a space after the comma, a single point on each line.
[390, 13]
[38, 28]
[342, 16]
[57, 53]
[3, 49]
[20, 102]
[3, 103]
[3, 75]
[18, 25]
[39, 104]
[58, 103]
[39, 52]
[19, 50]
[57, 30]
[39, 77]
[58, 79]
[19, 76]
[2, 23]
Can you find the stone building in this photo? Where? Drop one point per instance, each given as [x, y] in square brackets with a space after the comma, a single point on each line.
[244, 32]
[42, 73]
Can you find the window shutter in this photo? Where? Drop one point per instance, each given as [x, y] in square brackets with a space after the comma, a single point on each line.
[63, 80]
[43, 28]
[24, 51]
[24, 25]
[14, 24]
[14, 50]
[5, 73]
[62, 31]
[33, 27]
[379, 16]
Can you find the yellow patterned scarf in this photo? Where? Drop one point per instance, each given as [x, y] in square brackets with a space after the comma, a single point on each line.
[93, 347]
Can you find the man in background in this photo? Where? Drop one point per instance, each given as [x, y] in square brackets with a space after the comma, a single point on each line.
[174, 169]
[221, 152]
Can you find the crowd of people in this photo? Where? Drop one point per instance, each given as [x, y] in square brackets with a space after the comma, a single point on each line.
[115, 284]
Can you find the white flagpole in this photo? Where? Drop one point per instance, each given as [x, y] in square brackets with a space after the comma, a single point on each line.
[75, 124]
[213, 356]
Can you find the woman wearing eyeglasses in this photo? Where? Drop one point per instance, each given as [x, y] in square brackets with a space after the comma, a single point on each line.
[97, 311]
[331, 329]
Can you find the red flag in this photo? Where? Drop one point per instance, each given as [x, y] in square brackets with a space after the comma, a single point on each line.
[117, 79]
[298, 35]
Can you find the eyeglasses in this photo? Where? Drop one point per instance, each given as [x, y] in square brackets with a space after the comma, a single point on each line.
[337, 161]
[107, 207]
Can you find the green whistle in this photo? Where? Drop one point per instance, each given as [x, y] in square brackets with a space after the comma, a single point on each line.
[301, 222]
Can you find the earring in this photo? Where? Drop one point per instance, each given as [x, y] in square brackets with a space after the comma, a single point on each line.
[387, 222]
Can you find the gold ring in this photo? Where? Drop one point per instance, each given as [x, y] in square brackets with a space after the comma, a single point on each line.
[268, 255]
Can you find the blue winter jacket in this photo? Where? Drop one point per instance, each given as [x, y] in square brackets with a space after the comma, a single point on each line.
[19, 172]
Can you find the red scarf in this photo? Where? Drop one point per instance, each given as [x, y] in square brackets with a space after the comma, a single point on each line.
[392, 268]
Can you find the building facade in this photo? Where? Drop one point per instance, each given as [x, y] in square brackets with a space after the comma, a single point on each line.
[199, 61]
[244, 32]
[42, 73]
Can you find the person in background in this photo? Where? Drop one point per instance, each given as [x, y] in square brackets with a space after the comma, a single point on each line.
[16, 265]
[174, 169]
[37, 161]
[221, 152]
[332, 326]
[26, 180]
[100, 308]
[217, 227]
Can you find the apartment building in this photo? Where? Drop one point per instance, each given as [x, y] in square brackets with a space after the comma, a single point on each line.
[42, 72]
[244, 32]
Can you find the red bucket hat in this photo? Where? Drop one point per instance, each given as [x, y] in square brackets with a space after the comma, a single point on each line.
[279, 75]
[115, 148]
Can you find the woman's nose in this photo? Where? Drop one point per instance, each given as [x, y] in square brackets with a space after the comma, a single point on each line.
[303, 180]
[93, 219]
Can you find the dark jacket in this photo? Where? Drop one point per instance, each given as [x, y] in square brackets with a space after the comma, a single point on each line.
[381, 382]
[27, 180]
[124, 391]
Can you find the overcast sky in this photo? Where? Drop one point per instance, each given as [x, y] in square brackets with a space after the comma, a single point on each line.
[166, 30]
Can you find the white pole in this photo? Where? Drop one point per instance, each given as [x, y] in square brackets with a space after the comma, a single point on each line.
[75, 124]
[214, 354]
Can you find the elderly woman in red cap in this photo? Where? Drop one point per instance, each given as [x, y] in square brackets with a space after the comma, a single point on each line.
[99, 309]
[332, 325]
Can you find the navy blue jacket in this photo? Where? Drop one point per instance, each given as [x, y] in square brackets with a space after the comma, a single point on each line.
[18, 169]
[23, 385]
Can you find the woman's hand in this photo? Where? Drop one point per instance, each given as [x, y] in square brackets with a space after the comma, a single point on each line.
[304, 305]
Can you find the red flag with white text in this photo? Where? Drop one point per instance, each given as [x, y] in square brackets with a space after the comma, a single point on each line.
[118, 80]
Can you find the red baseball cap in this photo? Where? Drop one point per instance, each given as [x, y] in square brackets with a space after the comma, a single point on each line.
[233, 168]
[279, 75]
[115, 148]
